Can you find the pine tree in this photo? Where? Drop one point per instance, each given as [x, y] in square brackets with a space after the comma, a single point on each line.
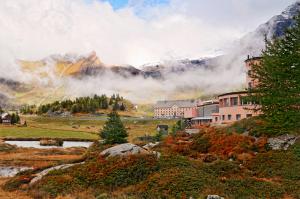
[116, 106]
[114, 131]
[122, 107]
[17, 118]
[278, 92]
[13, 119]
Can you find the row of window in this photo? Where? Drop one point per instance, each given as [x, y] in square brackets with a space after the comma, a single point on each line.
[233, 101]
[229, 117]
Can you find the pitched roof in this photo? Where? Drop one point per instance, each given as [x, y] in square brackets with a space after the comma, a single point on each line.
[179, 103]
[4, 115]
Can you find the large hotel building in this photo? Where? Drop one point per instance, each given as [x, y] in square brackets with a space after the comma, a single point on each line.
[228, 108]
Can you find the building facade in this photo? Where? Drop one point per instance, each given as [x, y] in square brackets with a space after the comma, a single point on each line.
[5, 118]
[205, 113]
[232, 106]
[175, 109]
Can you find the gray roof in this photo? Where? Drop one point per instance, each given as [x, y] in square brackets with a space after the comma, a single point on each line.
[179, 103]
[202, 118]
[4, 115]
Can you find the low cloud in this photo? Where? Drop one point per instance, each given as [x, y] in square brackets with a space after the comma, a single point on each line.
[35, 29]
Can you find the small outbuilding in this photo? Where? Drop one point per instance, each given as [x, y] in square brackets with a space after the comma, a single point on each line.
[5, 118]
[162, 127]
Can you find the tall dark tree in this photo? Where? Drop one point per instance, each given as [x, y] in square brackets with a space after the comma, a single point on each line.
[278, 92]
[122, 107]
[114, 131]
[116, 106]
[13, 119]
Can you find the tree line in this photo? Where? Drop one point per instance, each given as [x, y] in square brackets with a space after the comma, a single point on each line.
[79, 105]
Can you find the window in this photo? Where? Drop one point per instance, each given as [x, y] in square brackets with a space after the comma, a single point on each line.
[234, 101]
[249, 85]
[221, 102]
[229, 117]
[216, 119]
[238, 116]
[249, 73]
[226, 102]
[249, 115]
[223, 117]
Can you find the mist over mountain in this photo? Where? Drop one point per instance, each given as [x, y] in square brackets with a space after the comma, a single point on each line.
[72, 75]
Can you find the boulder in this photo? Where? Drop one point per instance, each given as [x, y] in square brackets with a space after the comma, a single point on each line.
[214, 197]
[124, 150]
[43, 173]
[150, 145]
[282, 142]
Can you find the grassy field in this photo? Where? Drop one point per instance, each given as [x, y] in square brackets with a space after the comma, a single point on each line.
[78, 127]
[32, 132]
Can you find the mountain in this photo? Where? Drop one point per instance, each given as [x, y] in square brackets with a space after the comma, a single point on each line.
[253, 42]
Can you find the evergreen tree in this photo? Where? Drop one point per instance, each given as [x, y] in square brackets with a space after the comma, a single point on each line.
[13, 119]
[114, 131]
[17, 118]
[278, 92]
[116, 106]
[1, 110]
[122, 107]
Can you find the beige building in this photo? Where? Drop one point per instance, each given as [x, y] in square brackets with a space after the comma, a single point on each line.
[174, 108]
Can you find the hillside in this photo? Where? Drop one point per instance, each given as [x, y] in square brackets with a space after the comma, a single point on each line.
[212, 162]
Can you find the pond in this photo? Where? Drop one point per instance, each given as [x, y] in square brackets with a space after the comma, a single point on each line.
[36, 144]
[11, 171]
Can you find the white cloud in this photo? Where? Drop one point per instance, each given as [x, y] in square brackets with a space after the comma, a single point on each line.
[34, 29]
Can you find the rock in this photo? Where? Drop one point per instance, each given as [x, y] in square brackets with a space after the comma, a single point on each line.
[214, 197]
[124, 150]
[150, 145]
[40, 175]
[282, 142]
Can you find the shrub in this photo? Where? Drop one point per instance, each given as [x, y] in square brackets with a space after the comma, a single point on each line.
[201, 143]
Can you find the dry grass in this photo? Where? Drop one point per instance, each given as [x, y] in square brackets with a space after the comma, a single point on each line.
[39, 158]
[13, 194]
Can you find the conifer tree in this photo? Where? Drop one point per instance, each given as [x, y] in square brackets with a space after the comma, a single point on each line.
[122, 107]
[13, 119]
[278, 92]
[114, 131]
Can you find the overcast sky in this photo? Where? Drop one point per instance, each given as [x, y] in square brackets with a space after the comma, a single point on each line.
[128, 32]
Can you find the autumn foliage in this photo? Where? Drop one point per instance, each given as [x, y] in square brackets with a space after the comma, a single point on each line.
[213, 141]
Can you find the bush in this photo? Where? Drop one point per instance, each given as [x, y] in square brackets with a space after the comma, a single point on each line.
[200, 143]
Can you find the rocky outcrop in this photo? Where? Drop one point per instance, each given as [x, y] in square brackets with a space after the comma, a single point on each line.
[282, 142]
[214, 197]
[40, 175]
[150, 145]
[124, 150]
